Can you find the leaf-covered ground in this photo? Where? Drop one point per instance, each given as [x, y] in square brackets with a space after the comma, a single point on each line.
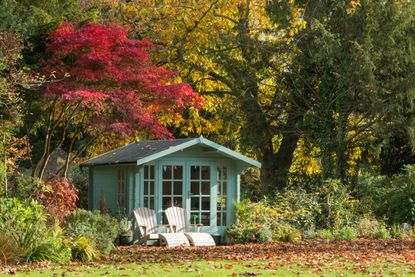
[314, 257]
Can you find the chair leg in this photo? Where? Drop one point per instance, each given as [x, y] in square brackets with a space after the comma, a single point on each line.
[143, 240]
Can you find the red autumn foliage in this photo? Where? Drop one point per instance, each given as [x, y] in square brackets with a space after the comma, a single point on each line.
[59, 197]
[97, 68]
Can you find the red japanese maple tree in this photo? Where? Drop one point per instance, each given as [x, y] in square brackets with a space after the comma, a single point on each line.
[105, 83]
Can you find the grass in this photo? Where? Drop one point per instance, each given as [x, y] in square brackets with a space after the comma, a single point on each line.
[224, 268]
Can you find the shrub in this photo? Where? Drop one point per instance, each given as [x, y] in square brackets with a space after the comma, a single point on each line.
[240, 233]
[301, 208]
[286, 232]
[25, 223]
[402, 231]
[325, 234]
[346, 233]
[381, 232]
[59, 197]
[100, 228]
[9, 250]
[84, 249]
[26, 187]
[367, 226]
[401, 197]
[391, 198]
[80, 179]
[338, 207]
[372, 190]
[52, 247]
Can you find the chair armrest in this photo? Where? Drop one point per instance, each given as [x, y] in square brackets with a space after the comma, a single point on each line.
[197, 226]
[144, 227]
[173, 228]
[165, 226]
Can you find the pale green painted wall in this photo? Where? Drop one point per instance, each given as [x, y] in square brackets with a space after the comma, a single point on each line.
[104, 178]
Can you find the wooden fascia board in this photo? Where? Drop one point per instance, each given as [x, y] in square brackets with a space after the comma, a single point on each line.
[229, 152]
[168, 151]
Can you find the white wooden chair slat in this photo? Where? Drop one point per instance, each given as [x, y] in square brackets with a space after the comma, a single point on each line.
[180, 218]
[147, 223]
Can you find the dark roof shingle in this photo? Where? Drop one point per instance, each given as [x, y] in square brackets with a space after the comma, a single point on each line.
[134, 151]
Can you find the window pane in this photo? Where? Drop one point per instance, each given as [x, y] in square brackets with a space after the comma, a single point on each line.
[206, 172]
[195, 172]
[225, 173]
[205, 219]
[177, 201]
[152, 172]
[145, 187]
[152, 187]
[224, 192]
[166, 187]
[219, 188]
[218, 220]
[152, 203]
[194, 188]
[206, 203]
[178, 188]
[220, 203]
[205, 188]
[194, 203]
[167, 172]
[146, 167]
[219, 173]
[146, 202]
[178, 172]
[223, 219]
[166, 202]
[223, 203]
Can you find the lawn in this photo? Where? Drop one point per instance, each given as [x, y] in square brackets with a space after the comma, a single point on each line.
[310, 258]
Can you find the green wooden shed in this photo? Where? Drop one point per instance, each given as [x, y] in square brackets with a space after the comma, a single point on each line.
[194, 173]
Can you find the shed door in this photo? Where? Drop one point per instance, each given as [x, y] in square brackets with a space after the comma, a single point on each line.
[172, 181]
[199, 194]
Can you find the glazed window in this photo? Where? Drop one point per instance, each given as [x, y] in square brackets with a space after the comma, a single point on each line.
[222, 178]
[122, 189]
[149, 178]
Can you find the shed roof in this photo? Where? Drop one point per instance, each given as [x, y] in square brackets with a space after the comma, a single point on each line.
[141, 152]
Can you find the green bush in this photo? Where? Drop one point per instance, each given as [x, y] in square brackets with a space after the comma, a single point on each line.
[401, 197]
[84, 249]
[25, 223]
[286, 232]
[240, 233]
[346, 233]
[367, 226]
[26, 187]
[100, 228]
[301, 209]
[9, 250]
[381, 232]
[338, 208]
[53, 247]
[325, 234]
[392, 198]
[402, 231]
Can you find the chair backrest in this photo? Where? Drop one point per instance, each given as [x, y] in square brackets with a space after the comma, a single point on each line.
[146, 217]
[178, 217]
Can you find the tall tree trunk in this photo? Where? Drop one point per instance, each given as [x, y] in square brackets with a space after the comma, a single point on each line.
[285, 154]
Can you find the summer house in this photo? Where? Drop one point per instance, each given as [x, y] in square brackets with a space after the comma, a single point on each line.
[194, 173]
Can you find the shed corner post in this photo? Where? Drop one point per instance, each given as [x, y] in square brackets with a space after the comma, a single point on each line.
[90, 189]
[238, 188]
[137, 187]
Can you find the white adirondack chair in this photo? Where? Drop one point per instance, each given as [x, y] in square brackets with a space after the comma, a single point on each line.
[147, 223]
[179, 221]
